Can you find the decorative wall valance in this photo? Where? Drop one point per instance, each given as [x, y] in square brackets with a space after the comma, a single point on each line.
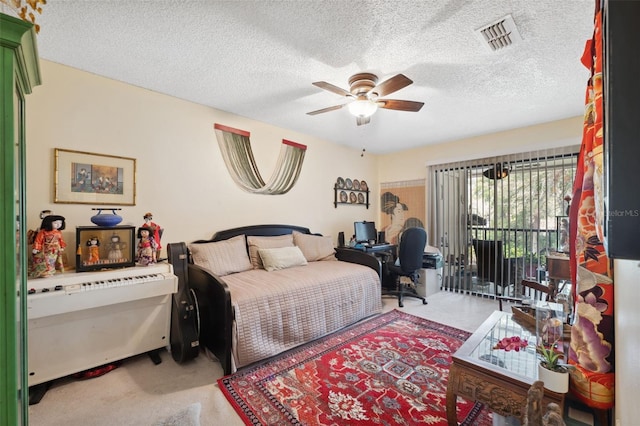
[235, 146]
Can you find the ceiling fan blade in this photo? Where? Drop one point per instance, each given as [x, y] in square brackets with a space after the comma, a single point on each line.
[399, 105]
[331, 108]
[391, 85]
[363, 120]
[331, 88]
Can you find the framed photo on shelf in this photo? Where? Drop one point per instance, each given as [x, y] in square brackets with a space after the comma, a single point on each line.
[90, 178]
[105, 247]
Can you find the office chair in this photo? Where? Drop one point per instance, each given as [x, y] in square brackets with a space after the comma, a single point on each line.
[491, 264]
[408, 264]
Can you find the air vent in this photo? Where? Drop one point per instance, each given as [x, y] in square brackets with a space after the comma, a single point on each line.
[500, 34]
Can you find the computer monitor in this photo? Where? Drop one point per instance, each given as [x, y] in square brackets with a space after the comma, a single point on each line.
[365, 231]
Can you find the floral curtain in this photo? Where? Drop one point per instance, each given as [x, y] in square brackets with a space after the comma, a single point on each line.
[591, 349]
[235, 147]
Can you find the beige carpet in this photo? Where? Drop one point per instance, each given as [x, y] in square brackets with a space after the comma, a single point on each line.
[190, 416]
[141, 393]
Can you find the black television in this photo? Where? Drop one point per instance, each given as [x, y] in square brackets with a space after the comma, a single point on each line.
[365, 232]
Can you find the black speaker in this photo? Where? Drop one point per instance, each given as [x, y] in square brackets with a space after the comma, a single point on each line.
[340, 239]
[381, 237]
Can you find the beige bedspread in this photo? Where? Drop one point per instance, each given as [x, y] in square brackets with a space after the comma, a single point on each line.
[278, 310]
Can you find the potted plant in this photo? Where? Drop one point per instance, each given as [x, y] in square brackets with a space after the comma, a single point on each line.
[551, 371]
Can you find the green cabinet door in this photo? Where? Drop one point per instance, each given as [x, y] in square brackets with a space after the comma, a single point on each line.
[19, 73]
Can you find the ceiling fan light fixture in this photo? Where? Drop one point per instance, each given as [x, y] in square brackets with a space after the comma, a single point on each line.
[364, 96]
[497, 172]
[362, 108]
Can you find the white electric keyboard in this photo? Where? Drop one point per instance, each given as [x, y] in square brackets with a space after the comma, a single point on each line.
[77, 321]
[70, 291]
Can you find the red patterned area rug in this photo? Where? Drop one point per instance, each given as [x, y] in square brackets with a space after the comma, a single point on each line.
[389, 370]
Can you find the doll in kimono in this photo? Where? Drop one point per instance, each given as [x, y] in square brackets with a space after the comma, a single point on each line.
[47, 248]
[146, 252]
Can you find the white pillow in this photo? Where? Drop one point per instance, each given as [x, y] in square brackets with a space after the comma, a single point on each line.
[222, 257]
[274, 259]
[256, 243]
[314, 247]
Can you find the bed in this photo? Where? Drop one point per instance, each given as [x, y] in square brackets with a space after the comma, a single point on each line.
[261, 290]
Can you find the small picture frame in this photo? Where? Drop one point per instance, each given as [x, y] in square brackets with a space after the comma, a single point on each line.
[90, 178]
[105, 247]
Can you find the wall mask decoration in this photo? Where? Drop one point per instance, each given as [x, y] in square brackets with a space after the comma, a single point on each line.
[235, 146]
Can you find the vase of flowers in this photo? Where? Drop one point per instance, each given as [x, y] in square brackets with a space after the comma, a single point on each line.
[550, 371]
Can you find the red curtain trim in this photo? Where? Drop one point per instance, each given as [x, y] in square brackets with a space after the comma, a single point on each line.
[217, 126]
[294, 144]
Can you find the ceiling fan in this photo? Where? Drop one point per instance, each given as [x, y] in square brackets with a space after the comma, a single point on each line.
[365, 96]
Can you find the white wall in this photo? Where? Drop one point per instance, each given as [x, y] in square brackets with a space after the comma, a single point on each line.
[181, 177]
[411, 164]
[627, 342]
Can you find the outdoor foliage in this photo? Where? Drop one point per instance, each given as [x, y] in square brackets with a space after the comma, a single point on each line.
[522, 209]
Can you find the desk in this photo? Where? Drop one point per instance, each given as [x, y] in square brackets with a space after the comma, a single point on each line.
[384, 253]
[380, 248]
[497, 378]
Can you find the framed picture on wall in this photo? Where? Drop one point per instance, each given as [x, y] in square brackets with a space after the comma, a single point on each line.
[403, 205]
[90, 178]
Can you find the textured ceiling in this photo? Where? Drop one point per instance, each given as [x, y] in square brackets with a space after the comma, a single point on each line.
[258, 59]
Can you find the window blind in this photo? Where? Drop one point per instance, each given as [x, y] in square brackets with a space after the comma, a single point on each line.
[515, 204]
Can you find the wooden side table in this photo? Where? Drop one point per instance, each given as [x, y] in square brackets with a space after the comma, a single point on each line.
[495, 377]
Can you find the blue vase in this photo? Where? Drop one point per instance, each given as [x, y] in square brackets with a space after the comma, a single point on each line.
[106, 219]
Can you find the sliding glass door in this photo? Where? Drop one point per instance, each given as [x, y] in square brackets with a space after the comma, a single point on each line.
[496, 219]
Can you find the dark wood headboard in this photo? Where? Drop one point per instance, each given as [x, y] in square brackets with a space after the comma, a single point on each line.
[255, 230]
